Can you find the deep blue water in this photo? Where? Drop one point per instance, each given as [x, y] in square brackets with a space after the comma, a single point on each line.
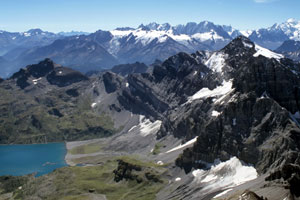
[42, 159]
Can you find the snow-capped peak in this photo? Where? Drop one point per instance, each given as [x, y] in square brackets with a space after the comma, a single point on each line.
[183, 34]
[157, 27]
[291, 28]
[291, 20]
[246, 33]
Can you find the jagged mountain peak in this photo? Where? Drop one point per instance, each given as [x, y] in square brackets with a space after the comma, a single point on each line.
[36, 70]
[124, 29]
[275, 35]
[241, 40]
[287, 26]
[244, 47]
[55, 74]
[157, 27]
[36, 32]
[239, 46]
[179, 59]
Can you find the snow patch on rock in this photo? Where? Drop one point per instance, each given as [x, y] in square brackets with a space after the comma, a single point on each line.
[192, 141]
[226, 174]
[146, 127]
[249, 45]
[215, 113]
[266, 53]
[222, 193]
[216, 61]
[177, 179]
[221, 90]
[35, 81]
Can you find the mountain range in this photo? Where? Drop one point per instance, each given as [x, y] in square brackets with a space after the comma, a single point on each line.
[147, 43]
[290, 49]
[220, 124]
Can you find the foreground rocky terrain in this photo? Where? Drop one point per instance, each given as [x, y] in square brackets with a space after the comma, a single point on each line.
[222, 125]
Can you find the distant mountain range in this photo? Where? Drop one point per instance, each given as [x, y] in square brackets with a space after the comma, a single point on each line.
[290, 49]
[147, 43]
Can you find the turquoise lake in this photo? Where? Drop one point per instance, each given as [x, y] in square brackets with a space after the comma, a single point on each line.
[41, 159]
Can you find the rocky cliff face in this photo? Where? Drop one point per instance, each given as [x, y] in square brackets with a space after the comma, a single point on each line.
[257, 112]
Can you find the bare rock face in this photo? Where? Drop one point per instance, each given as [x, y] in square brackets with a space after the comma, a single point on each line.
[111, 82]
[126, 69]
[63, 77]
[265, 76]
[289, 173]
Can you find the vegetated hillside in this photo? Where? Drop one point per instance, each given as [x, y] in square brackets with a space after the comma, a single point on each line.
[45, 102]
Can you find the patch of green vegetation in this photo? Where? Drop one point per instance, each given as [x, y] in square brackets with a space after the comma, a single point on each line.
[77, 182]
[11, 183]
[156, 149]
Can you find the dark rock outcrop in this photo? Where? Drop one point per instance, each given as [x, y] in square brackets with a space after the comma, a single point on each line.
[126, 69]
[55, 74]
[62, 77]
[111, 82]
[125, 171]
[137, 172]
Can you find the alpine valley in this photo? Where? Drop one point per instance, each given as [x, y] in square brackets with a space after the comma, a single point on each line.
[202, 112]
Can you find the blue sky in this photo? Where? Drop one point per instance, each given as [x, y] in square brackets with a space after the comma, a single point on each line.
[91, 15]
